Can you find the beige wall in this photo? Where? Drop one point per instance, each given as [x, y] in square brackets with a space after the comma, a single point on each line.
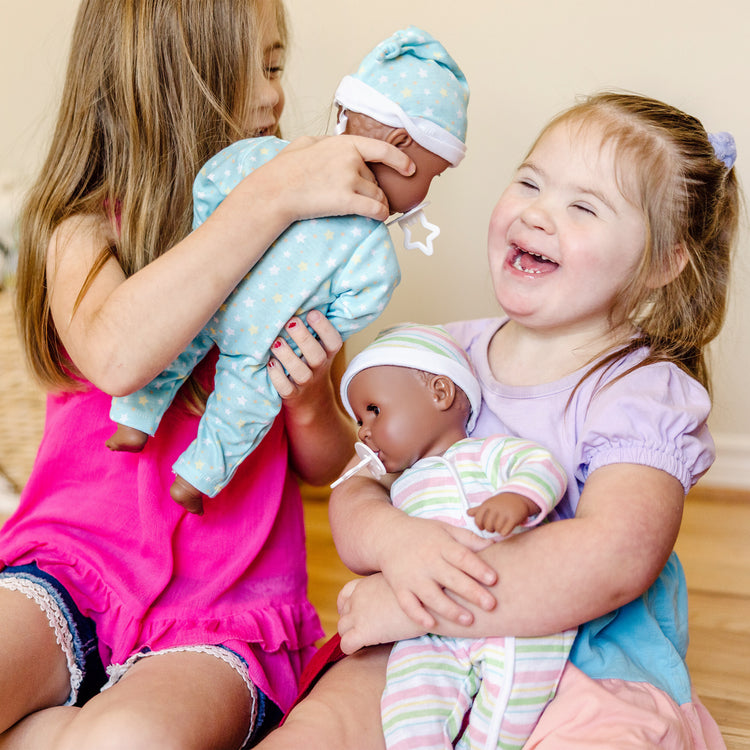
[524, 61]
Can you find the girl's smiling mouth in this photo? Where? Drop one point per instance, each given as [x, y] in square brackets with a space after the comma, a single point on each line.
[529, 262]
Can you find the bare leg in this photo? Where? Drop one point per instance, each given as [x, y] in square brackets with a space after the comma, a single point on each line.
[33, 670]
[342, 711]
[175, 701]
[128, 439]
[184, 494]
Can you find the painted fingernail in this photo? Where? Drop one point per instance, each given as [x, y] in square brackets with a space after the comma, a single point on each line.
[271, 363]
[277, 344]
[291, 324]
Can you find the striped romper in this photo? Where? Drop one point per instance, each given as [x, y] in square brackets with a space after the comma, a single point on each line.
[476, 692]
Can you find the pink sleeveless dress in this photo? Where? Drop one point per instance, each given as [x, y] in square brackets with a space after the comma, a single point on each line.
[153, 576]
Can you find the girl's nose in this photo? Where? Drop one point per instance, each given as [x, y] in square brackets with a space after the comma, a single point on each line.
[268, 93]
[363, 433]
[537, 215]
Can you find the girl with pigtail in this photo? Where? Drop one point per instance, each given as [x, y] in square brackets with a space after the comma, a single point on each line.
[609, 254]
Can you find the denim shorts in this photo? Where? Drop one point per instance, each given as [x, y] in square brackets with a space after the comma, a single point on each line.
[76, 635]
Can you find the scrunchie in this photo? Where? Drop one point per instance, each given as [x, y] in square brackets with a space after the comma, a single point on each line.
[724, 147]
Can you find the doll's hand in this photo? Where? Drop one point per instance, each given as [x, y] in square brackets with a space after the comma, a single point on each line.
[422, 559]
[369, 614]
[501, 513]
[308, 373]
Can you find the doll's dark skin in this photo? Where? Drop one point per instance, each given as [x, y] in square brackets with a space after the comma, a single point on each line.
[403, 193]
[405, 414]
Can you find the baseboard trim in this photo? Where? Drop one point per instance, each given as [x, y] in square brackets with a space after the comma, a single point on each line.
[732, 465]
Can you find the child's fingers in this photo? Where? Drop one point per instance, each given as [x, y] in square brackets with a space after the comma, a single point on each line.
[376, 150]
[279, 380]
[328, 335]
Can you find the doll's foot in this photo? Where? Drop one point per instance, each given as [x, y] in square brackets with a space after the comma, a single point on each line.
[184, 494]
[127, 439]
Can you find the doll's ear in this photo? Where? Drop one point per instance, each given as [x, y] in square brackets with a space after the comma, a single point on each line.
[399, 137]
[443, 391]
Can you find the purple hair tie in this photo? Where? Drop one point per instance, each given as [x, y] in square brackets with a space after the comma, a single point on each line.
[724, 147]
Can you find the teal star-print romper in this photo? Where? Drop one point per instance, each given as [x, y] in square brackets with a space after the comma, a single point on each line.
[346, 267]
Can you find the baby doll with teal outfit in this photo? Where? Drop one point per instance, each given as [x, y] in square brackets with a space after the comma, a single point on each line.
[408, 91]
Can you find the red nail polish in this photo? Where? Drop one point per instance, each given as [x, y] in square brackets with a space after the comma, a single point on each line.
[276, 344]
[271, 363]
[292, 324]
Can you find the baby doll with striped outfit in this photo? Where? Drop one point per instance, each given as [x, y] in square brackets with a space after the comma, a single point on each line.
[415, 398]
[409, 92]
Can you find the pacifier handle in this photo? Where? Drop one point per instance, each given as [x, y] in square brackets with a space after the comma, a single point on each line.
[368, 459]
[411, 217]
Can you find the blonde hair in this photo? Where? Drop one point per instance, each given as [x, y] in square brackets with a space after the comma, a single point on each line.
[153, 89]
[690, 203]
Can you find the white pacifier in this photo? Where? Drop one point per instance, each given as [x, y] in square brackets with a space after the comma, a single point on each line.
[408, 220]
[368, 459]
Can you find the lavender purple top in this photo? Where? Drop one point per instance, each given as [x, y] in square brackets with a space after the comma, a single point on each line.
[654, 416]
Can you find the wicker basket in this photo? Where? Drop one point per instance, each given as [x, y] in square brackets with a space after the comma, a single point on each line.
[21, 403]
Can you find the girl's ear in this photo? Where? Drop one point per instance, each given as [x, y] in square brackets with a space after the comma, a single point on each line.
[443, 391]
[399, 137]
[664, 276]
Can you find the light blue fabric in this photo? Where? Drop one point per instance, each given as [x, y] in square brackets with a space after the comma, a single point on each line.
[644, 641]
[414, 70]
[346, 267]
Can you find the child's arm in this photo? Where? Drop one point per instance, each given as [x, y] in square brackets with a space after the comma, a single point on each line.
[624, 530]
[418, 557]
[320, 434]
[123, 331]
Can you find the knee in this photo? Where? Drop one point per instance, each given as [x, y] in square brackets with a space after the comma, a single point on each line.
[117, 728]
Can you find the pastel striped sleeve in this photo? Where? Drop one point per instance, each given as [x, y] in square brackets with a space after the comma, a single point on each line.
[517, 465]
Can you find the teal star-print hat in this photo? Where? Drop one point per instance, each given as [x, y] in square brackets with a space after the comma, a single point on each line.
[410, 81]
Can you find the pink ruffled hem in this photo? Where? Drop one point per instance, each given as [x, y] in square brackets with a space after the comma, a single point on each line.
[275, 639]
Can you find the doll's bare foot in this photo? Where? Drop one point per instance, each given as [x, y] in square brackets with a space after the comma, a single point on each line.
[127, 439]
[186, 495]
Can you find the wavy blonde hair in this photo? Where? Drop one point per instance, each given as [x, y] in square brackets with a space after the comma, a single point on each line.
[153, 89]
[691, 205]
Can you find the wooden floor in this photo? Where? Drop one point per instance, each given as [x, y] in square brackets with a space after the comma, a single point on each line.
[714, 546]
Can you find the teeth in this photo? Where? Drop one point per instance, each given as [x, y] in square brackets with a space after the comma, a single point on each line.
[516, 263]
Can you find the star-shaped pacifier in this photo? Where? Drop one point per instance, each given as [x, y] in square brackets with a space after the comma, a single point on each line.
[408, 220]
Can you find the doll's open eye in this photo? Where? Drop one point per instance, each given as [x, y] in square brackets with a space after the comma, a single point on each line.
[374, 409]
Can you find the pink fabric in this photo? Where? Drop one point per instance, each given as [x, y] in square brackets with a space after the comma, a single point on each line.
[149, 573]
[620, 715]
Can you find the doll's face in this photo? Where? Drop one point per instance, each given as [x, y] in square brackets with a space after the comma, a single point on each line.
[403, 193]
[403, 416]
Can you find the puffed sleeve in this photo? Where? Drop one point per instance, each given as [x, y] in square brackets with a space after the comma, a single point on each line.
[654, 416]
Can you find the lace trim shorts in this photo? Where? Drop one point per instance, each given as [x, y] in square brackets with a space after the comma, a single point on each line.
[76, 636]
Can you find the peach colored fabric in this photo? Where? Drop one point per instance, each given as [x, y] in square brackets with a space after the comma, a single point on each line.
[620, 715]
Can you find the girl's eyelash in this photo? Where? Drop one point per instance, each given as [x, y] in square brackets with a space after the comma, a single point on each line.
[585, 209]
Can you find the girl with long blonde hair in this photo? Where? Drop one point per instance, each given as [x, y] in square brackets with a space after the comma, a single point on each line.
[202, 624]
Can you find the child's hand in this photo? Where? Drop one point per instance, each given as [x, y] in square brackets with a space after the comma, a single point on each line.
[369, 614]
[421, 559]
[305, 374]
[501, 513]
[320, 434]
[329, 176]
